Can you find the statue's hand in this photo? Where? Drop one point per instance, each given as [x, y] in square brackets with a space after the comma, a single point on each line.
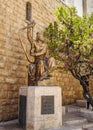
[32, 50]
[28, 22]
[32, 54]
[31, 23]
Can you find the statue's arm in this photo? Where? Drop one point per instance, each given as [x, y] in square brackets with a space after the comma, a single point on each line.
[41, 52]
[29, 29]
[29, 36]
[29, 58]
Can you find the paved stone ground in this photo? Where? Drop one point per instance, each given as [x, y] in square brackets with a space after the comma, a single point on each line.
[71, 121]
[10, 125]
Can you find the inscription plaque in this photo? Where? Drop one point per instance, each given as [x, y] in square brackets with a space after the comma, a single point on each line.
[47, 104]
[22, 111]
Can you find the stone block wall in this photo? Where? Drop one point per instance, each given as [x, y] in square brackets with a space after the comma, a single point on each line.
[71, 89]
[12, 60]
[13, 71]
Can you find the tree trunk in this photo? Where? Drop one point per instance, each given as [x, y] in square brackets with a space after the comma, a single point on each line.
[86, 93]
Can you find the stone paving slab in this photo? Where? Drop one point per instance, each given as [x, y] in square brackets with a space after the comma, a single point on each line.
[10, 125]
[73, 116]
[63, 128]
[17, 127]
[13, 125]
[88, 114]
[70, 128]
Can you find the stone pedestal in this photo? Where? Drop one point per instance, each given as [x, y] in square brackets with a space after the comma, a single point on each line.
[43, 107]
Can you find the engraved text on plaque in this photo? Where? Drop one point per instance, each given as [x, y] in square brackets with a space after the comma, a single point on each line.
[47, 104]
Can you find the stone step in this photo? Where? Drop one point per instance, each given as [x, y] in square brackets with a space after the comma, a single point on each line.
[82, 126]
[73, 127]
[88, 114]
[81, 103]
[73, 118]
[83, 112]
[72, 108]
[75, 108]
[75, 121]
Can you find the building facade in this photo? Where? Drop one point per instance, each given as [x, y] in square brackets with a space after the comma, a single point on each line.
[84, 7]
[13, 70]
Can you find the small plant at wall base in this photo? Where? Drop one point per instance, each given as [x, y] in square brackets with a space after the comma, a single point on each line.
[70, 40]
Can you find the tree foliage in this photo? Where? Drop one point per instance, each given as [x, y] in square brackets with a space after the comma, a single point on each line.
[70, 40]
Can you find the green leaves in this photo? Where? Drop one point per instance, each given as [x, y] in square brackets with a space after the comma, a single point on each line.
[70, 40]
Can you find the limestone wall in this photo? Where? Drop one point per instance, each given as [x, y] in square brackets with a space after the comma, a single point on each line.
[71, 89]
[89, 7]
[13, 71]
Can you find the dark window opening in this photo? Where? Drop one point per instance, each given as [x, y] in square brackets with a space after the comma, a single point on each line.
[28, 11]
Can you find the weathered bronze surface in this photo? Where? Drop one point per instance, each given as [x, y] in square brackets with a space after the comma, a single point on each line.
[22, 111]
[47, 104]
[40, 63]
